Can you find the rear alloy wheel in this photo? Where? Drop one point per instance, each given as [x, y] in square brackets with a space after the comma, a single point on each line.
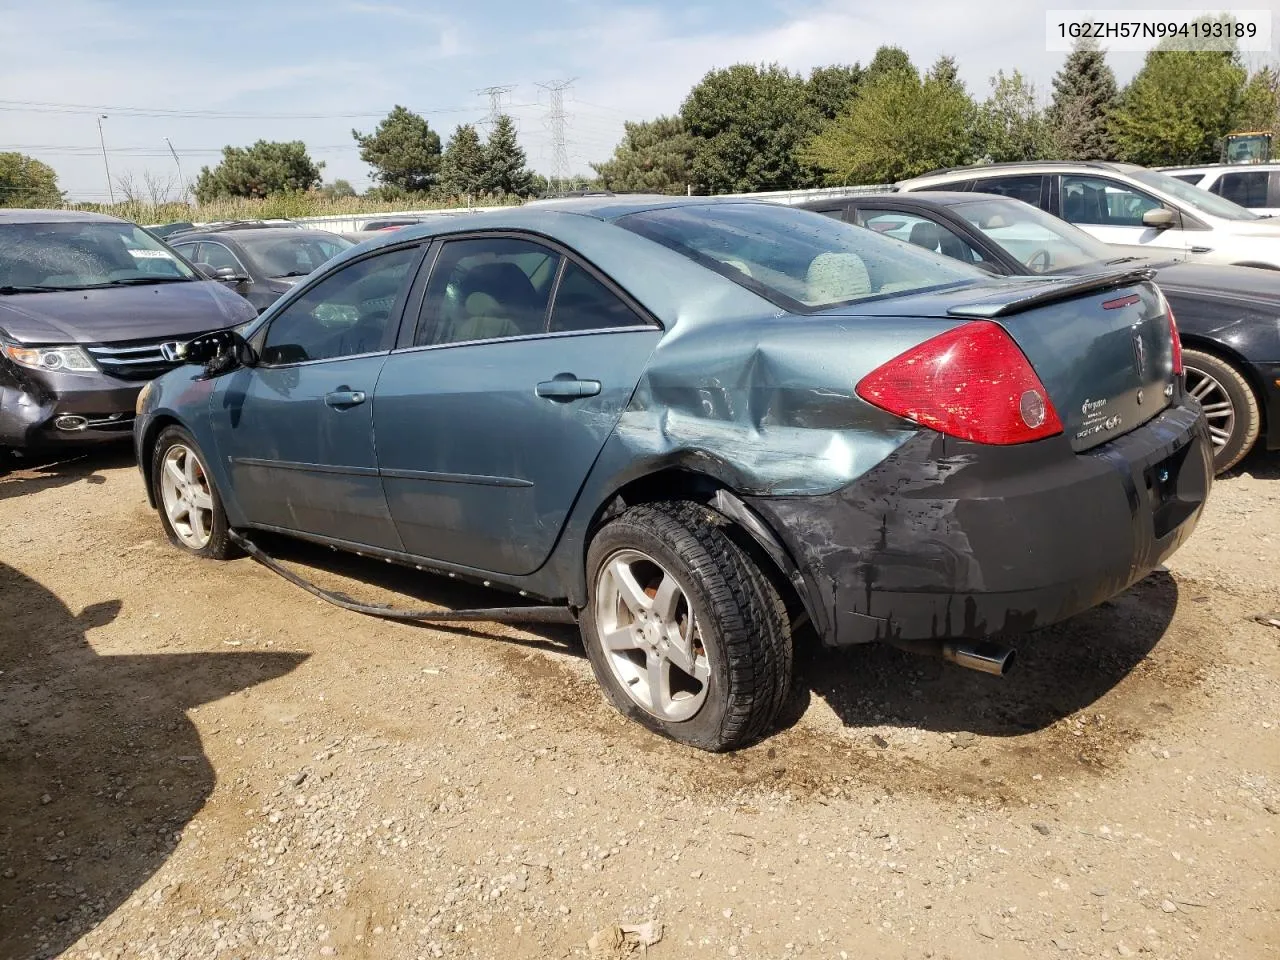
[684, 630]
[1229, 405]
[190, 508]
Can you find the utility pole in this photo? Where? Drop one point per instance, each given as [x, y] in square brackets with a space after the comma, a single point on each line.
[182, 183]
[556, 122]
[495, 95]
[111, 191]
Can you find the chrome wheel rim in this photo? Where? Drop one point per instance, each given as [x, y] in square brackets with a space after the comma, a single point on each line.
[1216, 403]
[188, 500]
[650, 637]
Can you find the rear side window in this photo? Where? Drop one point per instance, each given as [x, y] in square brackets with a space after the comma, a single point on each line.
[584, 303]
[1024, 188]
[487, 288]
[797, 259]
[1247, 189]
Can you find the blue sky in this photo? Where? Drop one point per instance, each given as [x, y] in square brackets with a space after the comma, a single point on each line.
[236, 71]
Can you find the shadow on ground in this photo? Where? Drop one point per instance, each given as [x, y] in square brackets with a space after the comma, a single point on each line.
[30, 473]
[99, 765]
[1059, 671]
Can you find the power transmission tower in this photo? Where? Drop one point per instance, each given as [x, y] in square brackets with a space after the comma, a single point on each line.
[556, 122]
[495, 95]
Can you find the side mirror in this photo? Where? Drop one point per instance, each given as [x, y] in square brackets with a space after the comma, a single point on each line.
[229, 275]
[1160, 218]
[218, 352]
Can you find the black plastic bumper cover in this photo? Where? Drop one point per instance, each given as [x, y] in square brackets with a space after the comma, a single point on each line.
[951, 539]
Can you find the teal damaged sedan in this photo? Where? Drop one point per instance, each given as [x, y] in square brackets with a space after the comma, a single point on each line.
[692, 425]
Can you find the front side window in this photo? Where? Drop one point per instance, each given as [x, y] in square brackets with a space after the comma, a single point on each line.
[71, 255]
[487, 288]
[921, 232]
[1094, 200]
[1024, 188]
[1042, 243]
[350, 312]
[1247, 189]
[295, 255]
[797, 259]
[218, 257]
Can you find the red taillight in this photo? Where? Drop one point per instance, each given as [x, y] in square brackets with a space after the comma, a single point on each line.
[971, 382]
[1177, 340]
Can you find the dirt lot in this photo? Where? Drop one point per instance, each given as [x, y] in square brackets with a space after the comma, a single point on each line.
[201, 760]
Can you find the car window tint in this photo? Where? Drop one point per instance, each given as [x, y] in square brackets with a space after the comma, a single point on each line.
[350, 312]
[835, 213]
[921, 232]
[487, 288]
[1191, 178]
[584, 303]
[188, 250]
[1024, 188]
[218, 256]
[1247, 189]
[1104, 202]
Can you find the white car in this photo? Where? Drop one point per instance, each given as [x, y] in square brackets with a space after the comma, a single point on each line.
[1255, 186]
[1127, 206]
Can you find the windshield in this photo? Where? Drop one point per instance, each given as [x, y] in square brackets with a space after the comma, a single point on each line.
[798, 259]
[292, 256]
[1040, 242]
[1203, 200]
[91, 253]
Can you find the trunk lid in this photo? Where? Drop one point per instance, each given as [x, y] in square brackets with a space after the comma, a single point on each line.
[1100, 345]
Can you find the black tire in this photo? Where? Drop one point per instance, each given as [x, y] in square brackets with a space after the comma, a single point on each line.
[1246, 421]
[741, 617]
[219, 545]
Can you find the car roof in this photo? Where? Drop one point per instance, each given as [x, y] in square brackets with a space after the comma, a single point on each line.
[189, 235]
[56, 216]
[1266, 167]
[1029, 166]
[943, 198]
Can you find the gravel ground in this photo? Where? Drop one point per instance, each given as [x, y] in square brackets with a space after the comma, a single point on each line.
[201, 760]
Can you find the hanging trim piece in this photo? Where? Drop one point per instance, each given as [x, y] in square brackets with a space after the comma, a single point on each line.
[523, 614]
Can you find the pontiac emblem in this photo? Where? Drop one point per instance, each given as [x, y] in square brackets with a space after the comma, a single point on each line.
[1139, 353]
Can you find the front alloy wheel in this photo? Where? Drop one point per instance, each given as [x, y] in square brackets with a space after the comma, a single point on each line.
[190, 507]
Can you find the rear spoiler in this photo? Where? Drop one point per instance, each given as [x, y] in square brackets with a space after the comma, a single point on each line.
[1053, 292]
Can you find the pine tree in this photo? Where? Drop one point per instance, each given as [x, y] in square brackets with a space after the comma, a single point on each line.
[462, 168]
[1084, 94]
[505, 170]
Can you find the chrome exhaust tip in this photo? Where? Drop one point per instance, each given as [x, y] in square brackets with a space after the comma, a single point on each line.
[993, 658]
[70, 423]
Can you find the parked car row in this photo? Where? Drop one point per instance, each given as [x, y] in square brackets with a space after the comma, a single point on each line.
[695, 425]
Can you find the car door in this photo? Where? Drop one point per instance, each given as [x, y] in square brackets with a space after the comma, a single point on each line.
[489, 419]
[1112, 211]
[297, 428]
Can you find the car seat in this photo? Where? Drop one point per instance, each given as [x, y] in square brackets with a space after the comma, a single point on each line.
[496, 300]
[926, 234]
[833, 277]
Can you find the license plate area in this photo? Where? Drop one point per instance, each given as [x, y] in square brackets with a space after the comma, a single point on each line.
[1174, 491]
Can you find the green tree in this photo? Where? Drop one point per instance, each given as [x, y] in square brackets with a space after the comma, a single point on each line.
[832, 88]
[888, 60]
[463, 165]
[945, 70]
[654, 157]
[1260, 101]
[339, 189]
[747, 122]
[505, 170]
[1084, 95]
[1178, 107]
[1010, 125]
[261, 170]
[899, 126]
[26, 182]
[404, 151]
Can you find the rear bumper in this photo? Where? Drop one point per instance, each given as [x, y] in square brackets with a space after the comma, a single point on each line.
[949, 539]
[31, 404]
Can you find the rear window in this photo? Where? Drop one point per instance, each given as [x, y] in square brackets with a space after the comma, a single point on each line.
[800, 260]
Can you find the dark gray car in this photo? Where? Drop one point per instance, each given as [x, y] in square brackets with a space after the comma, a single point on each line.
[264, 263]
[91, 307]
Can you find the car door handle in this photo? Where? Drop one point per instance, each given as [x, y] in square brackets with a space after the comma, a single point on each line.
[567, 387]
[344, 398]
